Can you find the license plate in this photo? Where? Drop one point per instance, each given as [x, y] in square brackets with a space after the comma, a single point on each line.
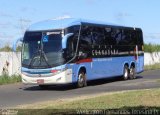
[40, 81]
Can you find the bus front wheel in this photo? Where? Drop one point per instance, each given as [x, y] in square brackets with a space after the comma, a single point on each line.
[81, 79]
[125, 72]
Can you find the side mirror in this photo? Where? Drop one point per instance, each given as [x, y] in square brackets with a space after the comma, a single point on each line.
[15, 43]
[64, 40]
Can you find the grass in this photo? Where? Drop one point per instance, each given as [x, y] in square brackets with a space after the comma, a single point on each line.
[6, 79]
[115, 101]
[151, 48]
[152, 67]
[158, 80]
[125, 100]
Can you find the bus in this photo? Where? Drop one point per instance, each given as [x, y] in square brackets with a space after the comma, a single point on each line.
[71, 50]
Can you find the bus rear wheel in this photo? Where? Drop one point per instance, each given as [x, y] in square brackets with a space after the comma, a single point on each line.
[125, 73]
[81, 79]
[132, 73]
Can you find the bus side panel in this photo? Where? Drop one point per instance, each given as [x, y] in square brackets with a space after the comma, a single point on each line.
[117, 65]
[105, 67]
[102, 67]
[110, 67]
[140, 64]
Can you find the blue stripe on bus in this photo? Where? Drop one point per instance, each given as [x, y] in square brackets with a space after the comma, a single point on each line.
[42, 71]
[98, 68]
[107, 67]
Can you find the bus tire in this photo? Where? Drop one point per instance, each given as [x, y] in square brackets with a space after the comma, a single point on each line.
[125, 73]
[132, 73]
[82, 82]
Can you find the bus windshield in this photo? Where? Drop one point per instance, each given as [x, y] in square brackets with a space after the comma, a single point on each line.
[42, 50]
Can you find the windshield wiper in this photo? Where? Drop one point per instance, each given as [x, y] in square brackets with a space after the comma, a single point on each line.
[42, 55]
[45, 58]
[32, 59]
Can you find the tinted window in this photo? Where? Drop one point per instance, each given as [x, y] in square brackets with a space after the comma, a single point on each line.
[139, 37]
[85, 42]
[71, 47]
[72, 29]
[126, 37]
[116, 36]
[134, 39]
[98, 36]
[107, 33]
[86, 35]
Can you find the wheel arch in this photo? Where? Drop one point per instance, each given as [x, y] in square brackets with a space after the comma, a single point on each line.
[132, 64]
[124, 64]
[82, 67]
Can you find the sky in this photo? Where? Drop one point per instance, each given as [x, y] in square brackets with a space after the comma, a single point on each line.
[17, 15]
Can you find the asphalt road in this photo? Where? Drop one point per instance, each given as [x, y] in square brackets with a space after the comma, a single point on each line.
[19, 94]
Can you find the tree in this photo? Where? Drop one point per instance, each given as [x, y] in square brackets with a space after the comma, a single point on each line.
[6, 48]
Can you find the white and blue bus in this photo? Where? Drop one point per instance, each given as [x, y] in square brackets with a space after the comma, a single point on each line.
[76, 51]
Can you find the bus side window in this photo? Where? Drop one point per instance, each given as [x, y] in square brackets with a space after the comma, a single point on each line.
[107, 34]
[126, 37]
[25, 51]
[139, 37]
[85, 41]
[133, 38]
[71, 46]
[98, 36]
[86, 35]
[115, 36]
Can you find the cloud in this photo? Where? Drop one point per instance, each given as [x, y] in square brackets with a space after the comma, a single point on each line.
[5, 41]
[6, 15]
[91, 2]
[24, 9]
[152, 35]
[8, 38]
[4, 36]
[25, 20]
[22, 23]
[62, 17]
[27, 9]
[5, 25]
[121, 16]
[152, 38]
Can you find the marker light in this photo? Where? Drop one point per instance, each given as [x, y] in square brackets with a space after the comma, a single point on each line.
[55, 71]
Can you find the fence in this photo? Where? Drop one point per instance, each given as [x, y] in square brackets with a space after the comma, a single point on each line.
[10, 62]
[151, 58]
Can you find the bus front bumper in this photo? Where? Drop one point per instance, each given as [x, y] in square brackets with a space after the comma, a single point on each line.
[64, 77]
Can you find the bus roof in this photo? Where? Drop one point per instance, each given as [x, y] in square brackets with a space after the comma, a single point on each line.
[63, 23]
